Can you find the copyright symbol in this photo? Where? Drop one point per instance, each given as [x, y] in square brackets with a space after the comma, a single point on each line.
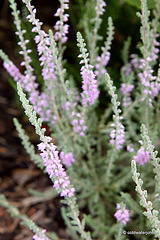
[124, 232]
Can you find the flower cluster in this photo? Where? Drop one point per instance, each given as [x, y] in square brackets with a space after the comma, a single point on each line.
[35, 237]
[55, 169]
[45, 53]
[102, 62]
[117, 135]
[146, 76]
[78, 124]
[13, 71]
[151, 84]
[28, 84]
[100, 7]
[142, 156]
[42, 237]
[126, 90]
[122, 214]
[74, 98]
[155, 49]
[29, 80]
[43, 47]
[67, 159]
[60, 27]
[89, 85]
[127, 69]
[40, 101]
[130, 148]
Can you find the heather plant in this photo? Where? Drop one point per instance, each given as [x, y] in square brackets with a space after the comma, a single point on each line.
[91, 156]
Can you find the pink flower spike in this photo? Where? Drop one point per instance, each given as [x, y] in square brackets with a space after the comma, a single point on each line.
[89, 85]
[55, 169]
[61, 27]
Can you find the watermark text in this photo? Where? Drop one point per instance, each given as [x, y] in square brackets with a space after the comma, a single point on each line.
[137, 232]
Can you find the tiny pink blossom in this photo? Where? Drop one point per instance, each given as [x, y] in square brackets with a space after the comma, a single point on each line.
[41, 146]
[41, 236]
[78, 124]
[122, 214]
[117, 136]
[67, 158]
[102, 62]
[142, 156]
[130, 148]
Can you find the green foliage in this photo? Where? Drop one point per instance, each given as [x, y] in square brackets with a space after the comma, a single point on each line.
[150, 213]
[137, 3]
[27, 145]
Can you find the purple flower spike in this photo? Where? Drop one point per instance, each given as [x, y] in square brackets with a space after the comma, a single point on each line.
[55, 169]
[60, 26]
[126, 90]
[89, 83]
[78, 124]
[89, 86]
[102, 62]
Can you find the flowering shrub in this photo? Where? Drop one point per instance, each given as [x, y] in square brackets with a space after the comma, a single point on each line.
[92, 157]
